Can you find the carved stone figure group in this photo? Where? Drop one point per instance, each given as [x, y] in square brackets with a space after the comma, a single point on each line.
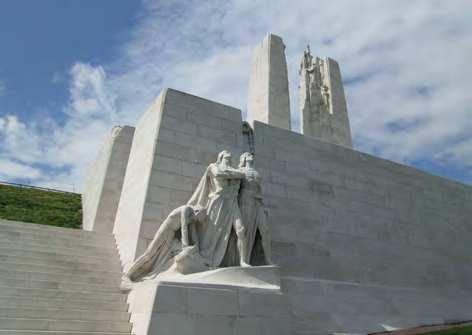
[317, 89]
[223, 224]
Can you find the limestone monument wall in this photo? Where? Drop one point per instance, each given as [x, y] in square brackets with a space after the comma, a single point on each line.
[174, 142]
[269, 100]
[361, 241]
[363, 244]
[323, 109]
[105, 180]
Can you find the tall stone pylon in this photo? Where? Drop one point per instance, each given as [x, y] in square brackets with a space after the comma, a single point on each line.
[269, 100]
[323, 110]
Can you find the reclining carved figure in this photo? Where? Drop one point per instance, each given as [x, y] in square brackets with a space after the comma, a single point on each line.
[175, 234]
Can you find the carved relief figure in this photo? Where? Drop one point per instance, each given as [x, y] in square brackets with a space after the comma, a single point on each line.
[217, 192]
[168, 243]
[254, 215]
[317, 90]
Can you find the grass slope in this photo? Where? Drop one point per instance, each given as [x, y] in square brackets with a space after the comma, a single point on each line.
[453, 331]
[40, 206]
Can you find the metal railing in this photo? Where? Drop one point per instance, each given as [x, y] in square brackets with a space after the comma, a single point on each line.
[35, 187]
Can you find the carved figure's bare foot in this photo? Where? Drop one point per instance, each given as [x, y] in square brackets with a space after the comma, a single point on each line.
[245, 265]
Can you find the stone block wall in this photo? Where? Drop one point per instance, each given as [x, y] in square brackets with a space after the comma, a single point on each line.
[361, 240]
[177, 308]
[105, 181]
[175, 140]
[363, 243]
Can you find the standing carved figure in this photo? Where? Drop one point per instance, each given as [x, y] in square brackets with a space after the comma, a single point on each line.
[253, 213]
[218, 193]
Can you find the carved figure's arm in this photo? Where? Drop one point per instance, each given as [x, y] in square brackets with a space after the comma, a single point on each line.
[227, 172]
[194, 235]
[184, 223]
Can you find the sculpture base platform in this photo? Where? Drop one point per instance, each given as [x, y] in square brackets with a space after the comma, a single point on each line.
[263, 277]
[224, 301]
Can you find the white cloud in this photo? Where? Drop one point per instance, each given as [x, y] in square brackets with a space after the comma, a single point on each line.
[405, 61]
[62, 151]
[461, 153]
[412, 102]
[12, 170]
[89, 93]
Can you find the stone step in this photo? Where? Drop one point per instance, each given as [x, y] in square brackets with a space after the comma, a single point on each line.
[63, 250]
[33, 293]
[57, 257]
[60, 281]
[58, 285]
[106, 280]
[62, 314]
[67, 265]
[61, 303]
[41, 231]
[26, 235]
[78, 270]
[64, 325]
[56, 332]
[34, 228]
[30, 240]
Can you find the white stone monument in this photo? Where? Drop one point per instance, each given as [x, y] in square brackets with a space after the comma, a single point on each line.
[360, 244]
[198, 270]
[323, 110]
[269, 100]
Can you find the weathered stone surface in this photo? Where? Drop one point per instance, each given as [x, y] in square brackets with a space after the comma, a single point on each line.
[269, 100]
[105, 181]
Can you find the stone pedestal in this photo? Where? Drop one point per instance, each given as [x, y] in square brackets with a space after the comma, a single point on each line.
[232, 301]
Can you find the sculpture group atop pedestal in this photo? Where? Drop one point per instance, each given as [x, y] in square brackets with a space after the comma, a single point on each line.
[223, 224]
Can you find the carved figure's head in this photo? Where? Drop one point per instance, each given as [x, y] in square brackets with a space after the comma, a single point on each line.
[245, 158]
[224, 157]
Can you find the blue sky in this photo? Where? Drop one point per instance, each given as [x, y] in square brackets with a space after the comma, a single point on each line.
[70, 70]
[43, 39]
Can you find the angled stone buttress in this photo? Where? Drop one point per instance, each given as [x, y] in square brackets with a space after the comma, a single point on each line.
[105, 181]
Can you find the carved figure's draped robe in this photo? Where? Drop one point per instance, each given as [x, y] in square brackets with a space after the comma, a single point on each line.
[222, 212]
[160, 252]
[254, 216]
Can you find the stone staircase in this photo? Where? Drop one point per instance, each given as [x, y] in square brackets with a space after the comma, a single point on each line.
[59, 281]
